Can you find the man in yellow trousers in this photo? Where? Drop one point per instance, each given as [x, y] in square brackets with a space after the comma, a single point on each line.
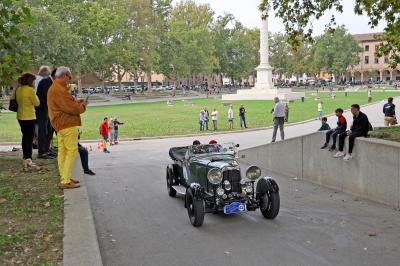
[64, 114]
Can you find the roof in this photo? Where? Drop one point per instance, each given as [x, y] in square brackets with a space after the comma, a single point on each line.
[365, 37]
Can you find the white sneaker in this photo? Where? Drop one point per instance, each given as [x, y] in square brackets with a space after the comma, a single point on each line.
[339, 154]
[348, 157]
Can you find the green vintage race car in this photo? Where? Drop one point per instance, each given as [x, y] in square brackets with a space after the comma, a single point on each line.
[209, 178]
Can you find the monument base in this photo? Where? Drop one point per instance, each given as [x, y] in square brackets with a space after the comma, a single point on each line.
[270, 94]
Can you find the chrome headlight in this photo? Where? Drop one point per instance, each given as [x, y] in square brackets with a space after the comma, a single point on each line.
[220, 191]
[247, 187]
[214, 176]
[253, 172]
[227, 185]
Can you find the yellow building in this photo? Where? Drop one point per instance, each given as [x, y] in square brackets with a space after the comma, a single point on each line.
[371, 67]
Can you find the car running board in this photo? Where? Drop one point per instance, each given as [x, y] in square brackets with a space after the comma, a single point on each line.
[180, 189]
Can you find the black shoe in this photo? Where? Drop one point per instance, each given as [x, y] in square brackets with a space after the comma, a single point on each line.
[332, 148]
[52, 153]
[90, 172]
[106, 151]
[325, 146]
[45, 156]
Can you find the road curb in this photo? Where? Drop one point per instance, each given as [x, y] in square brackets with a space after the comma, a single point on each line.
[80, 242]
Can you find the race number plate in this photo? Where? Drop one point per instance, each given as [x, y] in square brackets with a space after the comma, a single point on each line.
[235, 207]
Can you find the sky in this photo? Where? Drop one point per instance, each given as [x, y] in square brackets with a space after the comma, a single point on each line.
[246, 11]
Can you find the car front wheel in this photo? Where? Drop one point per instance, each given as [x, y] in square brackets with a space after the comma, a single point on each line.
[270, 204]
[195, 208]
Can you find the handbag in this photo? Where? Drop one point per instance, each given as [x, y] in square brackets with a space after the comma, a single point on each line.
[13, 105]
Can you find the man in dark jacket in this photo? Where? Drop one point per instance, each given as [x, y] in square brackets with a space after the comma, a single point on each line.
[389, 109]
[359, 128]
[333, 133]
[44, 126]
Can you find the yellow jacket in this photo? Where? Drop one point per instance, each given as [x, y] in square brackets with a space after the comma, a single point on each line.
[27, 101]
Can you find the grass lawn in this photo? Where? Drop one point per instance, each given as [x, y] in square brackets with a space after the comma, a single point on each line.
[31, 214]
[389, 133]
[157, 119]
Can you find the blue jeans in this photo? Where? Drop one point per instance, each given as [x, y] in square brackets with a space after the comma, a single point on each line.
[201, 125]
[242, 121]
[116, 134]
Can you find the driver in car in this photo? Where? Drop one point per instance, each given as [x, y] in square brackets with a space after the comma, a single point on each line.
[196, 148]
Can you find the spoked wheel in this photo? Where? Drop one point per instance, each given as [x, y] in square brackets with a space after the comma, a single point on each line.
[170, 183]
[270, 204]
[195, 209]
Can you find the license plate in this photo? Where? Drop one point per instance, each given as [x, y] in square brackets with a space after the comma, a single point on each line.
[235, 207]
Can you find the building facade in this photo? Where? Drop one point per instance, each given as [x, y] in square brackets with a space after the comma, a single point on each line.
[371, 67]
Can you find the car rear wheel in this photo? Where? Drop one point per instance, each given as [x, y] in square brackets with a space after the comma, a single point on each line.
[270, 204]
[170, 183]
[195, 208]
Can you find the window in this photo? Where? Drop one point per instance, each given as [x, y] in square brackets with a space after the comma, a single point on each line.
[386, 60]
[367, 48]
[366, 60]
[376, 60]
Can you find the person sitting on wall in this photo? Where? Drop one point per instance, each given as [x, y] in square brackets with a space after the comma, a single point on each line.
[333, 133]
[360, 128]
[324, 124]
[84, 155]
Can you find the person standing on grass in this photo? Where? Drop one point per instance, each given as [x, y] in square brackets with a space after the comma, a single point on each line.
[64, 113]
[214, 118]
[206, 118]
[44, 72]
[389, 109]
[320, 110]
[27, 101]
[279, 119]
[369, 96]
[111, 130]
[360, 128]
[105, 134]
[116, 130]
[43, 122]
[242, 116]
[230, 116]
[286, 112]
[201, 120]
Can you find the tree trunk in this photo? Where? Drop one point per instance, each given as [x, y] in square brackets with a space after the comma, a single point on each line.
[149, 78]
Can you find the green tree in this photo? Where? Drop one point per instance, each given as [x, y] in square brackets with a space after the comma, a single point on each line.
[13, 58]
[190, 38]
[236, 48]
[335, 52]
[279, 54]
[297, 16]
[51, 41]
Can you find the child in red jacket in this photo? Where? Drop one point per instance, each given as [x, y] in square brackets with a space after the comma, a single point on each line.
[104, 132]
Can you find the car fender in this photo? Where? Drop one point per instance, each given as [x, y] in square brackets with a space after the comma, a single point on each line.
[195, 189]
[266, 184]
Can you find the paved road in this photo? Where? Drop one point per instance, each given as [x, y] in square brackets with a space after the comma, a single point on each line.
[138, 224]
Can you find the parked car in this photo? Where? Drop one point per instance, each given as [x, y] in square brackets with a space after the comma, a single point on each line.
[209, 177]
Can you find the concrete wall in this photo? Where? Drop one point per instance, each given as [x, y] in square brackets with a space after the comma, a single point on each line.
[374, 172]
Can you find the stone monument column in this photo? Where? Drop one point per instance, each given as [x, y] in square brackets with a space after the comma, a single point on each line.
[264, 88]
[264, 71]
